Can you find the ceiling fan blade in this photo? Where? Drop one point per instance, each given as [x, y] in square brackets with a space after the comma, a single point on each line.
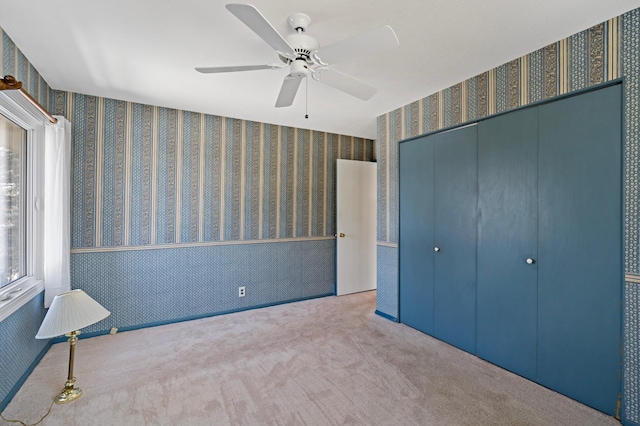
[253, 19]
[210, 70]
[347, 84]
[371, 42]
[288, 91]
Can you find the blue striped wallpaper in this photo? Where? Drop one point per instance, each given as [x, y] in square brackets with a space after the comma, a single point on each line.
[13, 62]
[145, 175]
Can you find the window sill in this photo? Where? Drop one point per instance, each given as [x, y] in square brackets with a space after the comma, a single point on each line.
[19, 294]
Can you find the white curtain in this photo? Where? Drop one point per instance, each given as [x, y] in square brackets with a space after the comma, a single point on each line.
[57, 209]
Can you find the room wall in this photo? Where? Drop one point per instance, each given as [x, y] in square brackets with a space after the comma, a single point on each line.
[19, 348]
[173, 210]
[602, 53]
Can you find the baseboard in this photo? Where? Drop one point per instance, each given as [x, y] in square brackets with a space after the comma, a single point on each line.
[387, 316]
[14, 390]
[190, 318]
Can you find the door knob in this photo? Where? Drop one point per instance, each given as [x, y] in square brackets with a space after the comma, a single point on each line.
[530, 261]
[436, 249]
[341, 235]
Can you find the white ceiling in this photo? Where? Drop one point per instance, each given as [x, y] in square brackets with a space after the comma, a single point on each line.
[146, 50]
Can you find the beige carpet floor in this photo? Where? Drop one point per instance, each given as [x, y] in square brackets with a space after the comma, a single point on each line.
[328, 361]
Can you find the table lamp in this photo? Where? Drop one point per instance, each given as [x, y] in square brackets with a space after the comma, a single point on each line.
[69, 312]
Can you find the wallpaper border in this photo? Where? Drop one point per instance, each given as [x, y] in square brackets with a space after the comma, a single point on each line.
[190, 245]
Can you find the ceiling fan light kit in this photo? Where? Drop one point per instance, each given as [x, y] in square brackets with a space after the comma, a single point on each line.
[304, 56]
[299, 69]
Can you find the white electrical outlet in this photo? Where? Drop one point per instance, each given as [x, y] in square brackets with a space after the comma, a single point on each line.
[241, 291]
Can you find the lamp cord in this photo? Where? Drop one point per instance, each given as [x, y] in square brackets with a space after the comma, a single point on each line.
[23, 423]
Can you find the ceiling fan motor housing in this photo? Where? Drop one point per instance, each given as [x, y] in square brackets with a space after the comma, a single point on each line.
[303, 45]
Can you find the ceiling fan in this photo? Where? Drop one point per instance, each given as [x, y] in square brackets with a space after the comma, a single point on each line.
[304, 56]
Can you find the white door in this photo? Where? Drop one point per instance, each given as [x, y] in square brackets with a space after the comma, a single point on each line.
[355, 226]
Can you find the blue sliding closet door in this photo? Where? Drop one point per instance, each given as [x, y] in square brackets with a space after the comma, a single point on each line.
[455, 219]
[416, 234]
[580, 247]
[507, 237]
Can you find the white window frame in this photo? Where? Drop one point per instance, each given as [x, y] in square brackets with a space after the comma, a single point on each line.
[26, 288]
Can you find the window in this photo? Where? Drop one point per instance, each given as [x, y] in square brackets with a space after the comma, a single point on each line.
[13, 151]
[21, 189]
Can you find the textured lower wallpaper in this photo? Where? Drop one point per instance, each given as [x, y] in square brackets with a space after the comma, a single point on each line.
[19, 347]
[387, 277]
[631, 376]
[143, 287]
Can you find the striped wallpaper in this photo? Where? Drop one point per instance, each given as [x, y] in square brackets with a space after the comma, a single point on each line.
[146, 175]
[13, 62]
[602, 53]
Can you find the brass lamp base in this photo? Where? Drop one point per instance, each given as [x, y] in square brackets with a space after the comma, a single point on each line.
[68, 395]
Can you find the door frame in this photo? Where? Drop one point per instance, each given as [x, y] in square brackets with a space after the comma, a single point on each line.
[367, 234]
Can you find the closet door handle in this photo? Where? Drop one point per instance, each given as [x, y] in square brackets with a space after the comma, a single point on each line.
[436, 249]
[530, 261]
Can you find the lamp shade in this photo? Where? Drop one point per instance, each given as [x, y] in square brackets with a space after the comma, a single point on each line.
[69, 312]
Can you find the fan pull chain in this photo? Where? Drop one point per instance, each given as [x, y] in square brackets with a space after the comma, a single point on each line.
[306, 98]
